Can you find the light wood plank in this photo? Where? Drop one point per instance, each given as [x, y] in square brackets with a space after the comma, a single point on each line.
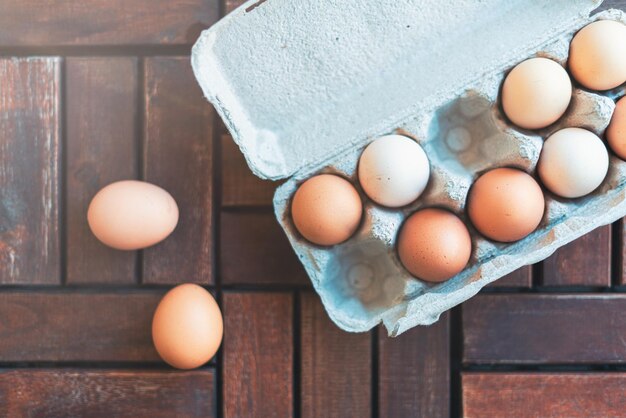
[29, 170]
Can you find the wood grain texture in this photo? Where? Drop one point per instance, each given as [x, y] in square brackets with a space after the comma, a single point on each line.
[239, 186]
[546, 395]
[336, 365]
[521, 277]
[177, 156]
[255, 250]
[107, 393]
[622, 252]
[258, 355]
[539, 329]
[414, 372]
[40, 326]
[29, 170]
[101, 149]
[584, 262]
[104, 22]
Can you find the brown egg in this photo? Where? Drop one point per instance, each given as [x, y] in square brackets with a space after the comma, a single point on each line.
[536, 93]
[597, 55]
[616, 132]
[326, 209]
[434, 245]
[129, 215]
[187, 327]
[505, 204]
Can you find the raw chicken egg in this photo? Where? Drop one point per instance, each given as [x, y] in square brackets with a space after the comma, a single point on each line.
[597, 55]
[393, 170]
[616, 132]
[326, 209]
[536, 93]
[434, 245]
[129, 215]
[505, 204]
[573, 162]
[187, 327]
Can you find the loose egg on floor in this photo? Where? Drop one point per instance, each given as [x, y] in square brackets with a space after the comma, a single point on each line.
[505, 204]
[597, 56]
[434, 245]
[326, 209]
[187, 327]
[130, 214]
[573, 162]
[616, 132]
[393, 170]
[536, 93]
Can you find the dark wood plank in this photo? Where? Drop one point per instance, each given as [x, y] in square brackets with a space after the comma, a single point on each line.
[104, 22]
[544, 395]
[336, 366]
[40, 326]
[239, 186]
[613, 4]
[178, 157]
[584, 262]
[258, 355]
[101, 127]
[414, 372]
[539, 329]
[521, 277]
[621, 224]
[29, 170]
[107, 393]
[231, 5]
[255, 250]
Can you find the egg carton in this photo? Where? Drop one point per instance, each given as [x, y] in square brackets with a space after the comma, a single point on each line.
[305, 85]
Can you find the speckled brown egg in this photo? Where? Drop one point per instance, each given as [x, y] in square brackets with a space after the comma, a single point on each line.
[187, 327]
[326, 209]
[616, 132]
[434, 245]
[505, 204]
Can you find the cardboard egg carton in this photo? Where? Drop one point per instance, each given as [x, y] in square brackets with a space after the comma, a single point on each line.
[304, 86]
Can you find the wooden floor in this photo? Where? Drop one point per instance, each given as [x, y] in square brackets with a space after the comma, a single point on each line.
[101, 90]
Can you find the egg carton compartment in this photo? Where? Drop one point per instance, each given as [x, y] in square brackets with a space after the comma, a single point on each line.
[362, 283]
[305, 85]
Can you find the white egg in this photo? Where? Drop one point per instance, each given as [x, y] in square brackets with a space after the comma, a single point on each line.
[573, 162]
[394, 170]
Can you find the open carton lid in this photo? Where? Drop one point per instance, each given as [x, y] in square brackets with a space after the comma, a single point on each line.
[298, 82]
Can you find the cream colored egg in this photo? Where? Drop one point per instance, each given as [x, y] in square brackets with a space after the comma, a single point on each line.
[573, 162]
[536, 93]
[130, 214]
[393, 170]
[597, 56]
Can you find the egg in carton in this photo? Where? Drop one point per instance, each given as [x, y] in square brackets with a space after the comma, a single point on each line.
[304, 86]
